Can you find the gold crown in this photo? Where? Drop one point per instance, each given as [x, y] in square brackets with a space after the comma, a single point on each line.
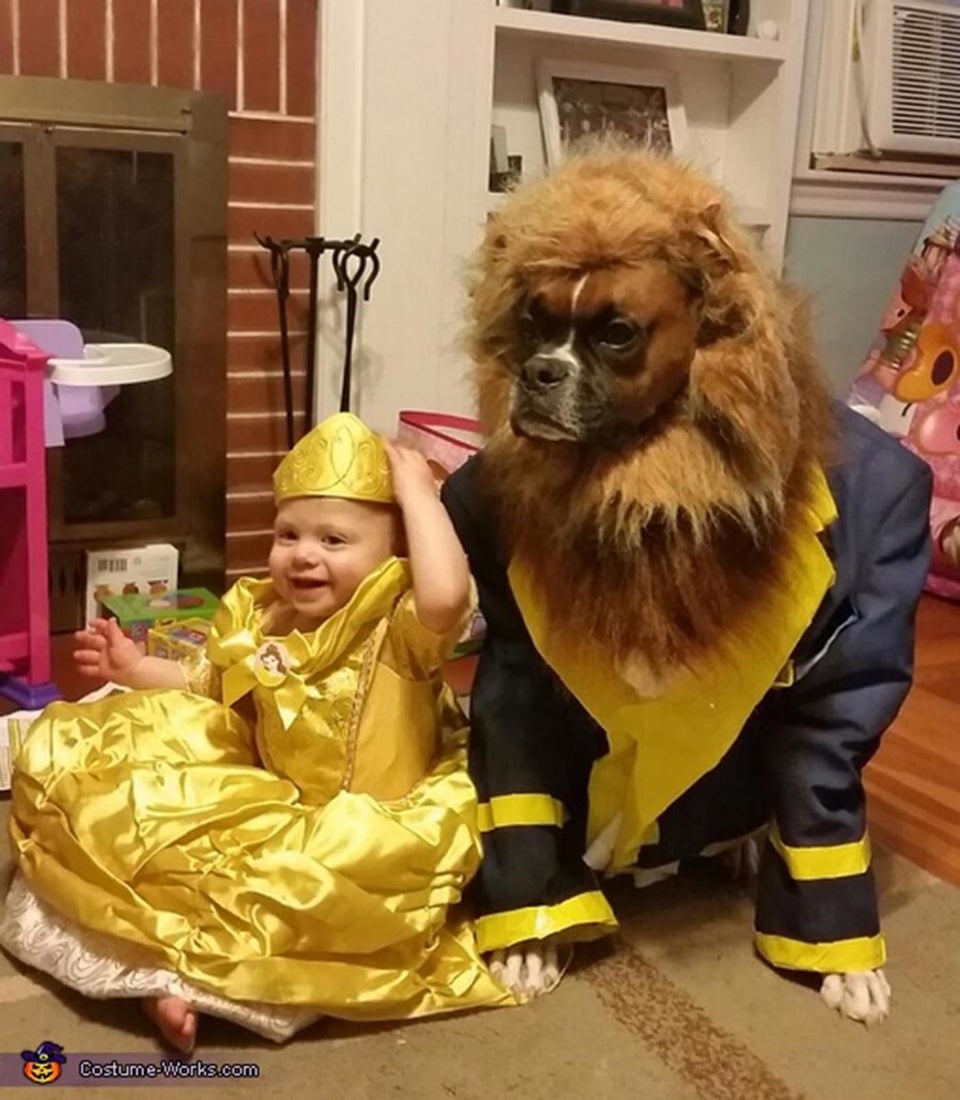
[340, 457]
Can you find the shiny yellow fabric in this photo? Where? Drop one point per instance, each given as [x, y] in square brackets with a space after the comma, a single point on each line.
[659, 746]
[340, 457]
[240, 854]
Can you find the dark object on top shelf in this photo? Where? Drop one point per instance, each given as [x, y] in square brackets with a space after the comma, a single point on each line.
[670, 13]
[738, 21]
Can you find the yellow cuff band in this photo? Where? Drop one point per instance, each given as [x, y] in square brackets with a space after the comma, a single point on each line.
[536, 922]
[827, 861]
[839, 957]
[520, 809]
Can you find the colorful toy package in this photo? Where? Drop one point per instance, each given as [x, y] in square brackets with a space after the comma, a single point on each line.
[173, 638]
[123, 572]
[910, 382]
[138, 613]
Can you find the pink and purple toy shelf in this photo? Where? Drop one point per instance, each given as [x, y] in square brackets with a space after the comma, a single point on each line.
[53, 388]
[24, 606]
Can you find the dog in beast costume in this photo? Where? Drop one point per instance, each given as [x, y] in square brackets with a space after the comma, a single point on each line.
[699, 576]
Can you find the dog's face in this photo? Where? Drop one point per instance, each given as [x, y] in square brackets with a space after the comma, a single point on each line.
[595, 355]
[651, 405]
[615, 301]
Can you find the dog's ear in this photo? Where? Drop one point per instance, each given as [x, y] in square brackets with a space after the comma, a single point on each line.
[707, 251]
[712, 263]
[714, 232]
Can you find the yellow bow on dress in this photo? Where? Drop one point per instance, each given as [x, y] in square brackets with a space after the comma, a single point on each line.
[290, 692]
[238, 648]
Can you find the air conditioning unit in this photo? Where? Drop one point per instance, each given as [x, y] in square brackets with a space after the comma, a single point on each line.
[889, 87]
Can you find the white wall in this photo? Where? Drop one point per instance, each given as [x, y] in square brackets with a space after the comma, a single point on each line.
[407, 355]
[850, 267]
[425, 215]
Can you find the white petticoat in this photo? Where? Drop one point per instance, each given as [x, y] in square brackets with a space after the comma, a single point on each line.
[100, 967]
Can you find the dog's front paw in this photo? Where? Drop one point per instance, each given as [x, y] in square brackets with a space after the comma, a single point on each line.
[740, 861]
[528, 969]
[862, 995]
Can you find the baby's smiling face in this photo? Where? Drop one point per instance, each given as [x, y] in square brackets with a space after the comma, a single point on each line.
[324, 547]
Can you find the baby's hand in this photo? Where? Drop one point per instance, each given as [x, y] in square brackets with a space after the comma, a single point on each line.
[106, 653]
[412, 477]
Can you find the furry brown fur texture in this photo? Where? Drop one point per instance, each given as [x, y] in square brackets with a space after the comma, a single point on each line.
[657, 515]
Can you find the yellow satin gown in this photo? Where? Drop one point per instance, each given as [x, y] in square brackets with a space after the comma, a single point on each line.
[307, 856]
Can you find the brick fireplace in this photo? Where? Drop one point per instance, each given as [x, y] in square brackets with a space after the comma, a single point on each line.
[260, 55]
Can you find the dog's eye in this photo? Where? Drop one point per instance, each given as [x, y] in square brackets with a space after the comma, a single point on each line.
[528, 327]
[617, 334]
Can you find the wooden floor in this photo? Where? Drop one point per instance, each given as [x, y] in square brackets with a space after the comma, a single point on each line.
[913, 782]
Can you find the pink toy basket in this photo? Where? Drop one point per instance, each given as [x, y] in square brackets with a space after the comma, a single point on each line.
[447, 441]
[24, 601]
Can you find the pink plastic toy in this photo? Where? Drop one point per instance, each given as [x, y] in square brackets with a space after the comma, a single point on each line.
[24, 602]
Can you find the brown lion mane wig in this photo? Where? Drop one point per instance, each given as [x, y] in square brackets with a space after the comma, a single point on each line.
[658, 512]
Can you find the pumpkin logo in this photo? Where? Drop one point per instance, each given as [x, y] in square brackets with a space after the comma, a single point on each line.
[43, 1065]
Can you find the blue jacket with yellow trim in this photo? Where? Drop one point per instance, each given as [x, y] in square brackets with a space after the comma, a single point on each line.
[797, 762]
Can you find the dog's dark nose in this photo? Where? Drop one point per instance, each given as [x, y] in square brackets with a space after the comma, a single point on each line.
[541, 372]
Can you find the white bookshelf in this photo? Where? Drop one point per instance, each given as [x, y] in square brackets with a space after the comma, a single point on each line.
[739, 93]
[408, 93]
[546, 26]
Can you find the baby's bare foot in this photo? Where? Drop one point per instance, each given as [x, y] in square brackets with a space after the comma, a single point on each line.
[175, 1019]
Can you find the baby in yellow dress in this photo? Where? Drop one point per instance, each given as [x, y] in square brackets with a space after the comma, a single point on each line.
[279, 829]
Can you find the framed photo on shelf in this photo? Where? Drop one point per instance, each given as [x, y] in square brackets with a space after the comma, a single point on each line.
[580, 100]
[716, 15]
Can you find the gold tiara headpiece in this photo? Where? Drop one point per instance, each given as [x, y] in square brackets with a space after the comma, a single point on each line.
[340, 457]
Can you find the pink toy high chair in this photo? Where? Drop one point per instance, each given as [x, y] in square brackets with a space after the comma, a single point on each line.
[24, 600]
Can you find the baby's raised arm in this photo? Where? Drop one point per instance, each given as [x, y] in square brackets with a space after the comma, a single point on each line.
[438, 565]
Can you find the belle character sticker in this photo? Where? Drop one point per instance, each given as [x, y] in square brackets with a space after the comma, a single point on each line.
[271, 664]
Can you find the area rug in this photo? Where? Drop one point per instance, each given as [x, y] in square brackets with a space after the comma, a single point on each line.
[677, 1007]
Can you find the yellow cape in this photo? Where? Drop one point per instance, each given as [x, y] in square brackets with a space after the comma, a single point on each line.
[659, 746]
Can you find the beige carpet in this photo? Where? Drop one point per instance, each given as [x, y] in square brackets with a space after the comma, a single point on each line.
[678, 1008]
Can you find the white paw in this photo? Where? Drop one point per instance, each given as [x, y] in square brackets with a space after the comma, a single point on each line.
[530, 969]
[740, 859]
[862, 995]
[744, 860]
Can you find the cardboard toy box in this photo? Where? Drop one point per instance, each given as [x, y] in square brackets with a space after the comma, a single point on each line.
[178, 638]
[129, 571]
[138, 613]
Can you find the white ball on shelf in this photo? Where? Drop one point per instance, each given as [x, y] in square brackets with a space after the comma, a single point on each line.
[768, 29]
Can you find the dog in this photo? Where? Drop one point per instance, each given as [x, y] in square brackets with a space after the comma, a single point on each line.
[699, 576]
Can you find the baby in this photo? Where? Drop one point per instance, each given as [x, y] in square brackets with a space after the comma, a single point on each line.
[280, 829]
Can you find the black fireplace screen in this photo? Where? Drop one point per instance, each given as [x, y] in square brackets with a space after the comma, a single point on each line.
[113, 207]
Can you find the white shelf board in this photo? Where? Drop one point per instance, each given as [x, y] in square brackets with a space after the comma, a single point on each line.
[875, 180]
[756, 217]
[550, 25]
